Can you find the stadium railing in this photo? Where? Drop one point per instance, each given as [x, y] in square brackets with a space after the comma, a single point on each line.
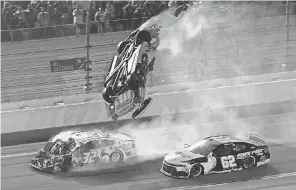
[262, 47]
[56, 31]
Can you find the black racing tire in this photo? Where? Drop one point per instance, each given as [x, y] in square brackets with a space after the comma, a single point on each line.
[143, 36]
[249, 162]
[64, 166]
[196, 170]
[57, 168]
[118, 155]
[121, 46]
[107, 93]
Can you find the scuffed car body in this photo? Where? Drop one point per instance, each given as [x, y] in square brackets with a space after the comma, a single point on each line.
[216, 154]
[124, 86]
[78, 149]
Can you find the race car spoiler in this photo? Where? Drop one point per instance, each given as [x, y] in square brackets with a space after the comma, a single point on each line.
[257, 138]
[126, 133]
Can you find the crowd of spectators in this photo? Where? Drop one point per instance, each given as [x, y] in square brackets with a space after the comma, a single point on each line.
[29, 14]
[45, 14]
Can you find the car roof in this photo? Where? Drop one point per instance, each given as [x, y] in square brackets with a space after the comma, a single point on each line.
[223, 139]
[79, 136]
[87, 135]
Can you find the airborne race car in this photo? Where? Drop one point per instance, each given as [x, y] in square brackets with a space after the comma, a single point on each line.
[216, 154]
[76, 150]
[124, 87]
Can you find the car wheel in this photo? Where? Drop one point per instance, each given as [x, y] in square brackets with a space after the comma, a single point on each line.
[116, 157]
[56, 168]
[249, 162]
[195, 170]
[107, 93]
[121, 46]
[143, 36]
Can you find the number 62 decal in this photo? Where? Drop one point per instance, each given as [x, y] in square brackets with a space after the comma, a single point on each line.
[228, 161]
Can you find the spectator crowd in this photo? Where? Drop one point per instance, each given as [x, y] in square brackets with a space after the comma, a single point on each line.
[51, 16]
[30, 14]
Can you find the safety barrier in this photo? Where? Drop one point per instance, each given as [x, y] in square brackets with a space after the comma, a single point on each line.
[178, 87]
[255, 46]
[167, 103]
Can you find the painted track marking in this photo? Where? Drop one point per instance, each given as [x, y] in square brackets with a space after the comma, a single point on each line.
[156, 94]
[234, 182]
[18, 155]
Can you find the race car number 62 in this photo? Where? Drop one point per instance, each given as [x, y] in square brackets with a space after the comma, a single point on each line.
[228, 161]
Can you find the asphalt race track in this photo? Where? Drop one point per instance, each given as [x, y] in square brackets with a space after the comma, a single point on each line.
[279, 174]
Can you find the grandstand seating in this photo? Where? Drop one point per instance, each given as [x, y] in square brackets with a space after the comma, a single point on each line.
[254, 47]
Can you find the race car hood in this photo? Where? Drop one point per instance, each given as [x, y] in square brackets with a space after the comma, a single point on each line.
[181, 156]
[124, 135]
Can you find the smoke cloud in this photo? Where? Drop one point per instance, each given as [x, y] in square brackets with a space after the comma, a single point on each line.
[193, 39]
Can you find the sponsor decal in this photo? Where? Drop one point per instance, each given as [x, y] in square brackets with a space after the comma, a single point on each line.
[144, 59]
[67, 65]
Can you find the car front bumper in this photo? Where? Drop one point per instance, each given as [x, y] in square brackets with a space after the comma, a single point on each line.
[174, 171]
[35, 166]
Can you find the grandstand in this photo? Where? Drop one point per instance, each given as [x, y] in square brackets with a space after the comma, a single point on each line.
[257, 46]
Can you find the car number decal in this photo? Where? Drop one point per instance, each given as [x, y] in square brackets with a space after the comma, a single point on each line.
[228, 161]
[89, 157]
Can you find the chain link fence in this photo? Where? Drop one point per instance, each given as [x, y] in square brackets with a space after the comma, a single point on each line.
[262, 42]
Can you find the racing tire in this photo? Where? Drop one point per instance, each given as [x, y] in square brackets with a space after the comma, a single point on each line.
[107, 94]
[116, 157]
[249, 162]
[143, 36]
[196, 170]
[57, 168]
[121, 46]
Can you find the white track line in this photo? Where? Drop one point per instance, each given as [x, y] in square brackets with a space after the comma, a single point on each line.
[227, 183]
[22, 145]
[156, 94]
[19, 155]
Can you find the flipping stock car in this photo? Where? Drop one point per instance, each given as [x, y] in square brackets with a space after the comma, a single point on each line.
[216, 154]
[124, 86]
[82, 148]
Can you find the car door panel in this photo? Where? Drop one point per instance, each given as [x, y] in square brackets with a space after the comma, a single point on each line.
[226, 160]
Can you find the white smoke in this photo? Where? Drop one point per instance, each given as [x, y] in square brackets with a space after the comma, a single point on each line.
[180, 38]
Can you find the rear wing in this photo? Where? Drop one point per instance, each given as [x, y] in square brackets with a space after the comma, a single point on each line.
[126, 133]
[257, 139]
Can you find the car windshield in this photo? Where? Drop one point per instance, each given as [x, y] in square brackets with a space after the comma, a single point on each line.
[203, 147]
[61, 147]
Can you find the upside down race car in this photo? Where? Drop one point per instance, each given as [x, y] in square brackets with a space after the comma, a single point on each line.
[216, 154]
[124, 87]
[78, 149]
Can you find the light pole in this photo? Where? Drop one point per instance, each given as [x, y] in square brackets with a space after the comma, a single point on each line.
[88, 86]
[288, 34]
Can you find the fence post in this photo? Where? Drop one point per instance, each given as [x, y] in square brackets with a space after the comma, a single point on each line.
[288, 34]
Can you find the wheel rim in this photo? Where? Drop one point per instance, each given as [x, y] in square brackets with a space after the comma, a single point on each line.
[115, 157]
[56, 168]
[195, 171]
[250, 162]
